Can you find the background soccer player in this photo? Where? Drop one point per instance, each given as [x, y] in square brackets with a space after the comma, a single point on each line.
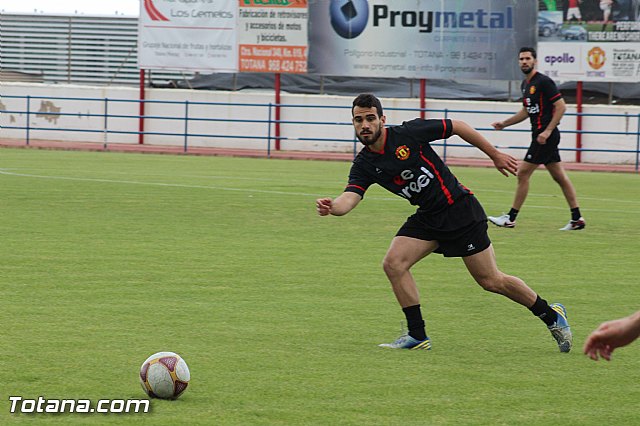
[543, 104]
[449, 219]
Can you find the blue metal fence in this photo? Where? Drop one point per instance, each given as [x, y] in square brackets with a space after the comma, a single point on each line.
[268, 122]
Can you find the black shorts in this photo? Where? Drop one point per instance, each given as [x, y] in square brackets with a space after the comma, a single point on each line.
[470, 237]
[544, 154]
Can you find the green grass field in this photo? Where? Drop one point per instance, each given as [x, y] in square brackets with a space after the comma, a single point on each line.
[107, 258]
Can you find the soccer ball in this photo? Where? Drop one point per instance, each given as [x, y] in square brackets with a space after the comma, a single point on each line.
[164, 375]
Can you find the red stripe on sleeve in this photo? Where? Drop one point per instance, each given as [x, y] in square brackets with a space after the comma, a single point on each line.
[357, 187]
[444, 131]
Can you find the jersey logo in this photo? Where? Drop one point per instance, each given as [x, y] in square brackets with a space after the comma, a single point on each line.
[402, 152]
[532, 90]
[414, 187]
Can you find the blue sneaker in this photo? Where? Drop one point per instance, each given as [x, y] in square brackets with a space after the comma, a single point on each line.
[560, 330]
[408, 342]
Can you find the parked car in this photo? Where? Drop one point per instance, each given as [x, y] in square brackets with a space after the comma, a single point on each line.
[546, 27]
[574, 32]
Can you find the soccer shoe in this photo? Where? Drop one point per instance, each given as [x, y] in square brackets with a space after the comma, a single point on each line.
[502, 221]
[408, 342]
[574, 225]
[560, 329]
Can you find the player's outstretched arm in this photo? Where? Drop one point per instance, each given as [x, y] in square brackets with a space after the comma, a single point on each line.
[340, 206]
[514, 119]
[505, 163]
[611, 335]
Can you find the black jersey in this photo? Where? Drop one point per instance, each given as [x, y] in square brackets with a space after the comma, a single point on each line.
[409, 167]
[538, 96]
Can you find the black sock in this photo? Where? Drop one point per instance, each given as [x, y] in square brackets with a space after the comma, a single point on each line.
[513, 213]
[542, 310]
[575, 213]
[415, 323]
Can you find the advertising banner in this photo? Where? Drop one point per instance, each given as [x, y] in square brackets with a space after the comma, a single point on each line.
[192, 35]
[272, 36]
[223, 35]
[590, 40]
[616, 62]
[472, 39]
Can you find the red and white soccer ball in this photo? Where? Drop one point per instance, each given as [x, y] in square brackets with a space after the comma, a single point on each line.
[164, 375]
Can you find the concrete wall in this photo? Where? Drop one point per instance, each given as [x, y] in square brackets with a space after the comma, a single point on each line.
[306, 117]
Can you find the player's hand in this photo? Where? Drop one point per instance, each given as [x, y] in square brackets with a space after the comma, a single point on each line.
[542, 137]
[505, 164]
[602, 342]
[609, 336]
[498, 125]
[323, 206]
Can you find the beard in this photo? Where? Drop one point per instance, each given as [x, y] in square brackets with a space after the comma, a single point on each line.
[371, 138]
[526, 69]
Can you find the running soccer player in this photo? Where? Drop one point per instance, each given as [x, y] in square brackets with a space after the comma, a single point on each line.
[449, 219]
[543, 104]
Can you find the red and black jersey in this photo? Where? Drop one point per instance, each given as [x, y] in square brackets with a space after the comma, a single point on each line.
[409, 167]
[538, 96]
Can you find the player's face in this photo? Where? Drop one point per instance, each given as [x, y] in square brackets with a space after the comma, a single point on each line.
[368, 124]
[527, 62]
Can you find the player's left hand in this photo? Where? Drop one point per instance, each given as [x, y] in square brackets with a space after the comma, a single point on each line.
[506, 164]
[542, 138]
[323, 206]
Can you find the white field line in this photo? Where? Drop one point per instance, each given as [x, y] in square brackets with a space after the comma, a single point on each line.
[305, 194]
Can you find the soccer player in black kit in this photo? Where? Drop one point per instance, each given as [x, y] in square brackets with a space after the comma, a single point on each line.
[543, 104]
[449, 219]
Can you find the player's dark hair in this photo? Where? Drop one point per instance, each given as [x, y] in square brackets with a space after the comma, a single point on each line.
[530, 50]
[367, 100]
